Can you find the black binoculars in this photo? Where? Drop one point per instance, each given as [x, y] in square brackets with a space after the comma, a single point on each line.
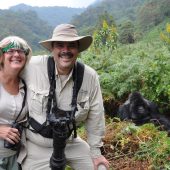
[15, 146]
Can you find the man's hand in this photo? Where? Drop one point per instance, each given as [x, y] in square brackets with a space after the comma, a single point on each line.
[100, 160]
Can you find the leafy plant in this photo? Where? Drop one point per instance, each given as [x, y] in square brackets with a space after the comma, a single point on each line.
[105, 37]
[165, 37]
[140, 143]
[131, 68]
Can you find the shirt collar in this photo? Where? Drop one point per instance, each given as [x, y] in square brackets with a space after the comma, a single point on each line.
[21, 86]
[57, 75]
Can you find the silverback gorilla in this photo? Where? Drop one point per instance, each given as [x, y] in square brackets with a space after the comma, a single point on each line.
[140, 111]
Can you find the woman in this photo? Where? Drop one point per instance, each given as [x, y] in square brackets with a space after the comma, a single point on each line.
[14, 54]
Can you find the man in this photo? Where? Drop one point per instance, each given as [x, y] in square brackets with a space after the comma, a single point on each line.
[65, 45]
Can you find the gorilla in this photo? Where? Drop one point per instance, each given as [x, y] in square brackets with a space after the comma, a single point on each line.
[141, 111]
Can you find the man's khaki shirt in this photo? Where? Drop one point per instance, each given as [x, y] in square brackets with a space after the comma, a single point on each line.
[89, 101]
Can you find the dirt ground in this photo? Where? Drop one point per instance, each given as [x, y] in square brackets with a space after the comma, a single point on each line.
[124, 162]
[120, 160]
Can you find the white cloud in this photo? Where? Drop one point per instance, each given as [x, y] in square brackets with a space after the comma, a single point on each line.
[5, 4]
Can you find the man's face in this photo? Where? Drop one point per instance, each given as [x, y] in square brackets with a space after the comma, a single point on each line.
[65, 55]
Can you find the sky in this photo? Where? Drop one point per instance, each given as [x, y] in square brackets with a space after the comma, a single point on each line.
[5, 4]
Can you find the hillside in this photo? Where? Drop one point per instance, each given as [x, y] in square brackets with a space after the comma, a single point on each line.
[144, 14]
[25, 24]
[121, 10]
[123, 68]
[36, 23]
[52, 15]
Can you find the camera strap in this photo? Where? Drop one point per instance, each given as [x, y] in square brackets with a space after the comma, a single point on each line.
[24, 100]
[78, 73]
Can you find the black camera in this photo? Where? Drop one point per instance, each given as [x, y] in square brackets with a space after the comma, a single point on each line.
[61, 125]
[15, 146]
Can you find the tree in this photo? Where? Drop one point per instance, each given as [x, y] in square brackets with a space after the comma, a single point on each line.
[126, 35]
[105, 34]
[165, 37]
[152, 13]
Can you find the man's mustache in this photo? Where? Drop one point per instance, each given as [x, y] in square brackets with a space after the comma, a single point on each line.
[66, 54]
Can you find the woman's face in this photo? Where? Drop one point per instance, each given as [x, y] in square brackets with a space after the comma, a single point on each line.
[14, 60]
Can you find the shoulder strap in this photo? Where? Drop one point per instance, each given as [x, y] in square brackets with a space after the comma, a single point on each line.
[51, 68]
[51, 77]
[78, 75]
[24, 99]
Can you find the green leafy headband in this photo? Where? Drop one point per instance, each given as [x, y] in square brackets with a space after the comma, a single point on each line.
[11, 45]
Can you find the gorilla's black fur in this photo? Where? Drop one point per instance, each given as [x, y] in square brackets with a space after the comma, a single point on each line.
[140, 111]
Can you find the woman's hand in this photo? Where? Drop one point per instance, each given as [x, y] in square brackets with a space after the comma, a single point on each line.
[9, 134]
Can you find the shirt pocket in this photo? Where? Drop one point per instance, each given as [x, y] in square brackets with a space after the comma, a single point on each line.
[83, 108]
[38, 102]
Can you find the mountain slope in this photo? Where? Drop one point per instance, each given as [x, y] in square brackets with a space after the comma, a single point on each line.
[144, 14]
[25, 24]
[52, 15]
[121, 10]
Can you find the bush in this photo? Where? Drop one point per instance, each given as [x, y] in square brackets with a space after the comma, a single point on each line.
[143, 67]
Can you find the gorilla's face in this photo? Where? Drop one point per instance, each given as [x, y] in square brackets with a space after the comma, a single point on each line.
[139, 110]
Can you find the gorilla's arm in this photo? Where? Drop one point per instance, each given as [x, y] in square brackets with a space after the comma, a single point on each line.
[123, 112]
[159, 119]
[141, 111]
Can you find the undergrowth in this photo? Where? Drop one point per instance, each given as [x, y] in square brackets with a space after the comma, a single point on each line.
[144, 143]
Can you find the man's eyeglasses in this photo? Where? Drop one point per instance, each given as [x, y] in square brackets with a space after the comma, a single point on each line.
[13, 51]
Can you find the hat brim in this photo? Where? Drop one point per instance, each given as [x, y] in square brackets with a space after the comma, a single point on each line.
[84, 42]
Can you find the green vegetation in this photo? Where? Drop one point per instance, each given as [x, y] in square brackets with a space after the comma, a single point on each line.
[131, 146]
[130, 52]
[24, 24]
[143, 14]
[139, 143]
[133, 22]
[52, 15]
[144, 67]
[121, 10]
[166, 36]
[105, 36]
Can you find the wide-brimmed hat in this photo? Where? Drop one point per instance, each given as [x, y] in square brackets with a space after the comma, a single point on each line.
[67, 33]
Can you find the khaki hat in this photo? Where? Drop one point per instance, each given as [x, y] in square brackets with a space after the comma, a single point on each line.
[67, 32]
